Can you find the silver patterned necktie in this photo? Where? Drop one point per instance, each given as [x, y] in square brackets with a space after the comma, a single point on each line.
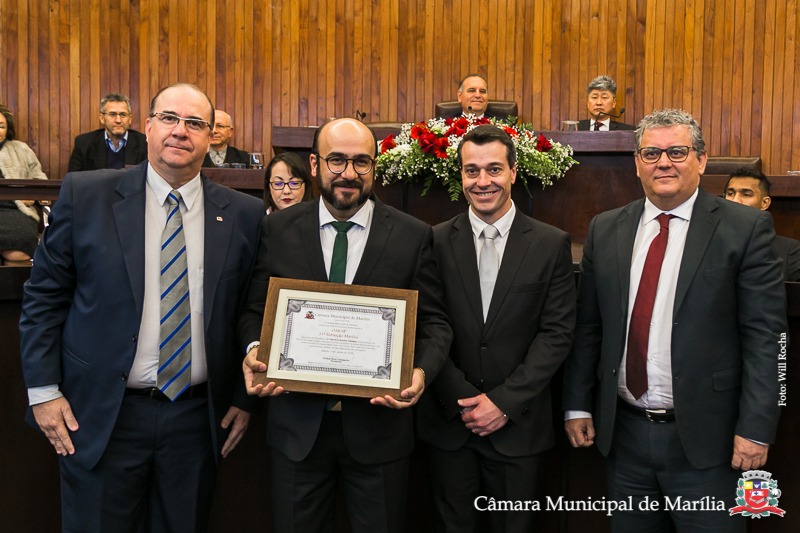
[175, 339]
[488, 265]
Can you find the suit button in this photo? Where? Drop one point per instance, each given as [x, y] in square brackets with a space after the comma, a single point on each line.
[124, 376]
[134, 338]
[484, 346]
[613, 371]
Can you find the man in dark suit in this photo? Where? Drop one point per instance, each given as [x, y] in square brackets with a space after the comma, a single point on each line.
[674, 362]
[750, 187]
[313, 438]
[134, 431]
[115, 144]
[601, 99]
[221, 153]
[488, 415]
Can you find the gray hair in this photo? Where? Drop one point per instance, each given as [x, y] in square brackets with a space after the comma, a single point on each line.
[602, 83]
[473, 75]
[114, 97]
[665, 118]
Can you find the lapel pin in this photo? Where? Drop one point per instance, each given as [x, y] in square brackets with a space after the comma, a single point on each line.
[219, 219]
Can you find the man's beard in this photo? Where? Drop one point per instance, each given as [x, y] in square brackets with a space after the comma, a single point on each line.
[342, 204]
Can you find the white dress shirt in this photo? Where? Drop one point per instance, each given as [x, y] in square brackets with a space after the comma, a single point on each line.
[356, 237]
[659, 352]
[503, 226]
[605, 125]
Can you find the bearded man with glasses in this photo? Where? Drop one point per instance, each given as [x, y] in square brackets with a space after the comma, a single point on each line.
[314, 439]
[115, 144]
[681, 309]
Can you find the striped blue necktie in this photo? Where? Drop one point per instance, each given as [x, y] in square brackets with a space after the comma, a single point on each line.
[175, 340]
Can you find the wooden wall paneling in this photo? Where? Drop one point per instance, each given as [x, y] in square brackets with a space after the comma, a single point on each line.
[406, 52]
[769, 75]
[431, 37]
[795, 164]
[355, 82]
[789, 79]
[727, 101]
[736, 113]
[533, 61]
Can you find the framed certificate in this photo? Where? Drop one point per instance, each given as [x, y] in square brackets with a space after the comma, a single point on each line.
[344, 340]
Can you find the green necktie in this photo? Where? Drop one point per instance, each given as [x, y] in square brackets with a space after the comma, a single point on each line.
[339, 258]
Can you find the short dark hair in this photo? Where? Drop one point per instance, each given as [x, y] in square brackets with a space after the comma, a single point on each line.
[114, 97]
[11, 127]
[488, 134]
[298, 167]
[744, 172]
[473, 75]
[182, 84]
[318, 133]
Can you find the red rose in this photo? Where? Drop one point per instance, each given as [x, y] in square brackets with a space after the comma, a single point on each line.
[440, 149]
[511, 131]
[387, 144]
[481, 121]
[427, 142]
[417, 130]
[542, 144]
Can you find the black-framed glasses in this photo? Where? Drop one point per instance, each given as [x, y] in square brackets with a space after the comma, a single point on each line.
[171, 120]
[292, 184]
[337, 163]
[114, 115]
[676, 154]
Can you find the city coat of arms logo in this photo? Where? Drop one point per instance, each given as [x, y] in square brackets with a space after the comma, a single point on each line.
[757, 495]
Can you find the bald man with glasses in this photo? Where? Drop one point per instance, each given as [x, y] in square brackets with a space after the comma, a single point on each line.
[220, 151]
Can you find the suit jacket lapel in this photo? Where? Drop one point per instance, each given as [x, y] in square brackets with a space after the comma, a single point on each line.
[698, 236]
[519, 238]
[466, 260]
[218, 227]
[129, 220]
[376, 242]
[309, 237]
[627, 224]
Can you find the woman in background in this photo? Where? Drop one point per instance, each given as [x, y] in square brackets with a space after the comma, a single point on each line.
[287, 182]
[19, 220]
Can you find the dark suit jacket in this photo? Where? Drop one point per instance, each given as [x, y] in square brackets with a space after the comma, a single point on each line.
[82, 306]
[513, 356]
[729, 312]
[487, 114]
[232, 155]
[583, 125]
[90, 150]
[398, 254]
[789, 250]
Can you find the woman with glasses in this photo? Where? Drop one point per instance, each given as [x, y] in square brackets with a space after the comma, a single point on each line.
[19, 220]
[287, 182]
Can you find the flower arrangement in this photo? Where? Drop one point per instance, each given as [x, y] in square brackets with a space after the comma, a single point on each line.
[426, 152]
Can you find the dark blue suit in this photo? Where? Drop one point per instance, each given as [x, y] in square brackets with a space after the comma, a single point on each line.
[82, 306]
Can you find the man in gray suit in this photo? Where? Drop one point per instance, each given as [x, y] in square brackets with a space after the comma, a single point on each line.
[488, 416]
[681, 307]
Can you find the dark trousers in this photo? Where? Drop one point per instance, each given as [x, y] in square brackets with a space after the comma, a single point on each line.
[157, 473]
[477, 470]
[304, 492]
[647, 461]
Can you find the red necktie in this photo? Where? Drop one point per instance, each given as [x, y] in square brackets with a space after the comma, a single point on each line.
[639, 330]
[597, 125]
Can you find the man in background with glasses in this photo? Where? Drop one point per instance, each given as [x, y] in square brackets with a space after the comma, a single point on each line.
[128, 329]
[315, 439]
[681, 312]
[221, 153]
[115, 144]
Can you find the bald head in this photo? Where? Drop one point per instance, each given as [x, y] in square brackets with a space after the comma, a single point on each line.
[223, 130]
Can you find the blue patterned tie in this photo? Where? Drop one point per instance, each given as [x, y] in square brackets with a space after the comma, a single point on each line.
[175, 340]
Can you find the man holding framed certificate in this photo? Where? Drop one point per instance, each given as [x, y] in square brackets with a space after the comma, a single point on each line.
[314, 438]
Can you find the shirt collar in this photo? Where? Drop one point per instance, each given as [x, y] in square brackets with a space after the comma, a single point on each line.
[124, 137]
[190, 190]
[503, 224]
[360, 218]
[683, 211]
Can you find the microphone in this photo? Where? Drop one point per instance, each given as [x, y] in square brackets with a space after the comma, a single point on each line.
[360, 116]
[469, 108]
[621, 112]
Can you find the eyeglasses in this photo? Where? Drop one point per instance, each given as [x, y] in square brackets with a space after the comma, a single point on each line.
[114, 115]
[676, 154]
[292, 184]
[170, 120]
[338, 164]
[221, 127]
